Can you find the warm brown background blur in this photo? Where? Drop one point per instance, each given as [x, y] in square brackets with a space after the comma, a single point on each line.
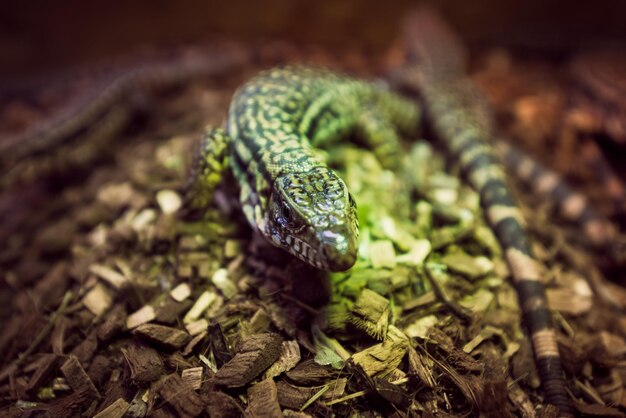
[41, 34]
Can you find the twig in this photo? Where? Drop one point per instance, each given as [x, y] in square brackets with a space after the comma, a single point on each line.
[11, 368]
[362, 393]
[456, 309]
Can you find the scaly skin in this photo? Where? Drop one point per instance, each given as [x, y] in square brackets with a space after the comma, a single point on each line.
[461, 120]
[288, 194]
[571, 204]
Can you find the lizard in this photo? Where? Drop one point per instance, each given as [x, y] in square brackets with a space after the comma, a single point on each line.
[298, 204]
[461, 120]
[287, 193]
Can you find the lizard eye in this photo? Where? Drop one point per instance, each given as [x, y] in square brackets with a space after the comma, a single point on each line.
[289, 219]
[285, 212]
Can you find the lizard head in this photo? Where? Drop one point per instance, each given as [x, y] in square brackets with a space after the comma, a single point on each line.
[313, 216]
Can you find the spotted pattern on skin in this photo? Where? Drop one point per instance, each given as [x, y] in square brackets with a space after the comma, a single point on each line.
[316, 197]
[288, 194]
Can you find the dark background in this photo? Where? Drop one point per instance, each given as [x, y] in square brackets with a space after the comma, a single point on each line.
[37, 35]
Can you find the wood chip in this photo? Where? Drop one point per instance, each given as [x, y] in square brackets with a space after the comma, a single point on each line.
[220, 405]
[143, 219]
[232, 248]
[169, 201]
[421, 366]
[116, 196]
[382, 254]
[167, 337]
[256, 354]
[100, 370]
[168, 311]
[466, 265]
[46, 368]
[116, 410]
[85, 350]
[77, 378]
[181, 292]
[568, 301]
[221, 280]
[263, 400]
[309, 373]
[71, 405]
[193, 377]
[219, 346]
[381, 359]
[289, 357]
[99, 299]
[419, 250]
[295, 397]
[201, 305]
[180, 396]
[114, 278]
[197, 327]
[113, 322]
[612, 345]
[140, 317]
[371, 313]
[144, 362]
[191, 345]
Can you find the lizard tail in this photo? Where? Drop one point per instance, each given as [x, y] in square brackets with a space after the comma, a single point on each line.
[462, 122]
[433, 45]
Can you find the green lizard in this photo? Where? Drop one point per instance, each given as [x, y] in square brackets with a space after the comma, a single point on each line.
[287, 192]
[300, 205]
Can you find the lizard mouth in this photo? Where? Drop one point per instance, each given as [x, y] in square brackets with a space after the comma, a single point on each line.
[301, 249]
[338, 250]
[335, 252]
[336, 260]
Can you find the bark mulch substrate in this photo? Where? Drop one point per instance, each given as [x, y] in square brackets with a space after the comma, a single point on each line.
[114, 305]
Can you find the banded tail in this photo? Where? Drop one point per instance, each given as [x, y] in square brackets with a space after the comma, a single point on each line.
[571, 204]
[462, 122]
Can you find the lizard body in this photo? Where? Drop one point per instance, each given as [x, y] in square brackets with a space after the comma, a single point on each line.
[288, 194]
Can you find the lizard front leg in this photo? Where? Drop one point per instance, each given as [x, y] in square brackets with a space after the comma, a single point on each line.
[211, 161]
[380, 136]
